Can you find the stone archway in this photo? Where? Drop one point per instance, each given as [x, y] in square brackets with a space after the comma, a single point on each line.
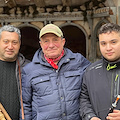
[29, 41]
[75, 39]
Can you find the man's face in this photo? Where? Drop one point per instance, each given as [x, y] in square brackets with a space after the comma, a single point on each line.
[110, 45]
[9, 46]
[52, 45]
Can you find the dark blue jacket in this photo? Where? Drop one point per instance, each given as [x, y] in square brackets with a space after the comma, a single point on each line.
[50, 94]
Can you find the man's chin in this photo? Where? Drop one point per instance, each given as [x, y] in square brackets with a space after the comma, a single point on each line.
[111, 59]
[52, 56]
[10, 58]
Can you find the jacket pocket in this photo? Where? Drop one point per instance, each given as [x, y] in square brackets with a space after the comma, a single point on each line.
[73, 80]
[42, 85]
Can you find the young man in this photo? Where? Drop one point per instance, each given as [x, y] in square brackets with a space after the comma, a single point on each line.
[10, 61]
[101, 81]
[52, 81]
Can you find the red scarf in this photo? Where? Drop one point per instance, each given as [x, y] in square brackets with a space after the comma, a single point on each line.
[51, 61]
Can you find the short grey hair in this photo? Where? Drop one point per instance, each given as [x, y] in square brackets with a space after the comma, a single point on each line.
[109, 27]
[10, 28]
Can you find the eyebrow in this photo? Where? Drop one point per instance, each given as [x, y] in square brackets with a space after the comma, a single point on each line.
[110, 40]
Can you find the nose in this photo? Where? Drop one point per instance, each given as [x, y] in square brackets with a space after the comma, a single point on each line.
[10, 46]
[108, 47]
[51, 44]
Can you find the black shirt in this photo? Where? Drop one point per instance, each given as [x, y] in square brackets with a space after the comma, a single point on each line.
[9, 89]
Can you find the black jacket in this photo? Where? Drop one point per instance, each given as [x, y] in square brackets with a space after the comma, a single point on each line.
[99, 89]
[22, 62]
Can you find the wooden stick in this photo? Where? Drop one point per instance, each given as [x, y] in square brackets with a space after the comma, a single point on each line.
[2, 117]
[5, 112]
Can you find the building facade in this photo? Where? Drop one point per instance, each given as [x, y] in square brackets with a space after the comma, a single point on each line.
[80, 23]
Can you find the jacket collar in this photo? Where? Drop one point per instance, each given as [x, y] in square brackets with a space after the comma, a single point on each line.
[39, 56]
[111, 65]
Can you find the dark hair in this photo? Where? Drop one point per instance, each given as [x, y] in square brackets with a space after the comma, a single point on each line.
[10, 28]
[109, 27]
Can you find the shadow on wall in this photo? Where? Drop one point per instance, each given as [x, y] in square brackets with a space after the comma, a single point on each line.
[75, 39]
[29, 41]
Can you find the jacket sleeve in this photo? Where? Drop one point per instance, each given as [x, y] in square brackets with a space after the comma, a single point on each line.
[27, 96]
[86, 110]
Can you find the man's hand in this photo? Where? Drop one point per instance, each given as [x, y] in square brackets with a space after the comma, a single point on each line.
[95, 118]
[114, 116]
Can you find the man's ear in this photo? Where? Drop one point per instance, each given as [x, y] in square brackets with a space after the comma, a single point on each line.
[63, 41]
[40, 42]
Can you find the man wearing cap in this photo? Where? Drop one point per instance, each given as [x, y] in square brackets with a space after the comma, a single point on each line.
[52, 81]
